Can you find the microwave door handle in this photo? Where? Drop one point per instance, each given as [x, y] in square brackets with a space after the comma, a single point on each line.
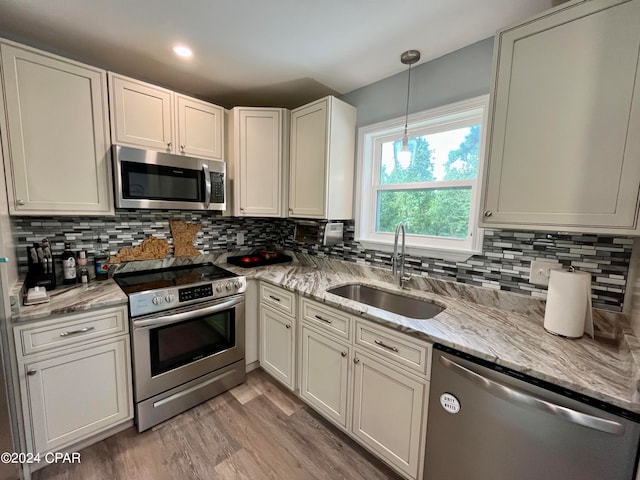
[207, 185]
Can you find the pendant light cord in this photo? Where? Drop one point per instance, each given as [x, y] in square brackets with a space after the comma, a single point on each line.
[405, 139]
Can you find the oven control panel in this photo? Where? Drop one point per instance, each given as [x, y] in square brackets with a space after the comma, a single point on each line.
[194, 293]
[152, 301]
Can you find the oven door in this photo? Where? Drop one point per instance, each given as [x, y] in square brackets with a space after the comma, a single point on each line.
[175, 348]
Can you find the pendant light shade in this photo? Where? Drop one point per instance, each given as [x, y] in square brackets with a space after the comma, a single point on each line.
[404, 156]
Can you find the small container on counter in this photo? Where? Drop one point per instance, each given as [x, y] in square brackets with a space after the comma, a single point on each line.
[83, 271]
[101, 261]
[70, 275]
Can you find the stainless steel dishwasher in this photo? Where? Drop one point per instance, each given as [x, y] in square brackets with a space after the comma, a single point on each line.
[488, 422]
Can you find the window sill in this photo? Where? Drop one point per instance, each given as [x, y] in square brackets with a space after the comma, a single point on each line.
[438, 253]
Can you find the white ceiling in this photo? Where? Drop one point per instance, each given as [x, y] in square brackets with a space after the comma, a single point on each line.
[258, 52]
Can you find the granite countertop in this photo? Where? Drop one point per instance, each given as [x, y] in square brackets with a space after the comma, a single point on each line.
[69, 299]
[500, 327]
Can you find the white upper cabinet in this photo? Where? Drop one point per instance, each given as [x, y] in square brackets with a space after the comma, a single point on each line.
[200, 126]
[151, 117]
[55, 134]
[141, 114]
[563, 145]
[258, 161]
[322, 160]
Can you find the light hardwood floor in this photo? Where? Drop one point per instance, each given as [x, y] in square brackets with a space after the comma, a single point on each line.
[255, 431]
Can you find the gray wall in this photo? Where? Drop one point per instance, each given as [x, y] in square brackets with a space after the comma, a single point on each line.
[463, 74]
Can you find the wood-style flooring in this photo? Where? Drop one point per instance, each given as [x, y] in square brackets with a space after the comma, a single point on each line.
[256, 431]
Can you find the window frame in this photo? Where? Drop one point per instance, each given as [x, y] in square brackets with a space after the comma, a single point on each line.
[370, 139]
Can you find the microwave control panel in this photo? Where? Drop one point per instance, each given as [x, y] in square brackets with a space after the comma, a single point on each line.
[217, 187]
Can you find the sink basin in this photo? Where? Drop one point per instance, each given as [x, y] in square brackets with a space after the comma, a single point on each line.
[391, 302]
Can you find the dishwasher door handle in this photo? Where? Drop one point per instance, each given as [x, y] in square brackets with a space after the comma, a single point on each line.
[518, 397]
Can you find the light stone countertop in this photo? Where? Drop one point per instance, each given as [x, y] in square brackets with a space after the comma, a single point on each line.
[500, 327]
[70, 299]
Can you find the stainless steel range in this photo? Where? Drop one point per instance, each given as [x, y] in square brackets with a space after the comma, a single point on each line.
[188, 331]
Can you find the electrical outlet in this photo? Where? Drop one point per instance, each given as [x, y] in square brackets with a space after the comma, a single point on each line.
[540, 271]
[240, 238]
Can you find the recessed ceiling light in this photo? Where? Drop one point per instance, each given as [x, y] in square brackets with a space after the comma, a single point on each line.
[182, 51]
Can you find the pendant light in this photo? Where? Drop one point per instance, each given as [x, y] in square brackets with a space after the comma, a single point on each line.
[404, 156]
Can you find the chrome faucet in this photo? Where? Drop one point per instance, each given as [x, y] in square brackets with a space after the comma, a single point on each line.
[395, 270]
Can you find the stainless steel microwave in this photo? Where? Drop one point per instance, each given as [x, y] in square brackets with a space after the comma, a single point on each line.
[147, 179]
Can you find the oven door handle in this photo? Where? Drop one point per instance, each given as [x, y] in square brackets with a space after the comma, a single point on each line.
[160, 320]
[207, 185]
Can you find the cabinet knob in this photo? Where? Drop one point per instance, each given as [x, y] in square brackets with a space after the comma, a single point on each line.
[241, 209]
[182, 147]
[20, 202]
[344, 354]
[488, 213]
[356, 360]
[31, 372]
[288, 326]
[169, 144]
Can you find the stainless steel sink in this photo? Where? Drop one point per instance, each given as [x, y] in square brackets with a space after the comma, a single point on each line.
[391, 302]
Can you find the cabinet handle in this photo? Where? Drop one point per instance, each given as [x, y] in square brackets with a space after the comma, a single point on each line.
[488, 213]
[75, 332]
[288, 325]
[169, 144]
[274, 298]
[20, 202]
[241, 209]
[323, 319]
[31, 372]
[384, 345]
[356, 360]
[344, 354]
[182, 147]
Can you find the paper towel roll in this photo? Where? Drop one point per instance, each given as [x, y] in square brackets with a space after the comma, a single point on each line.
[568, 310]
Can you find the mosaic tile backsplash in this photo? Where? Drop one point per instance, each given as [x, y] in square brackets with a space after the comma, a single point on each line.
[503, 264]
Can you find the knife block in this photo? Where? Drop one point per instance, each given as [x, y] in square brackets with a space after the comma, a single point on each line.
[36, 276]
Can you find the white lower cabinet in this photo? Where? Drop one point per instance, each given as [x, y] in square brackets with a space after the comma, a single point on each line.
[75, 378]
[76, 395]
[377, 395]
[325, 375]
[277, 345]
[387, 412]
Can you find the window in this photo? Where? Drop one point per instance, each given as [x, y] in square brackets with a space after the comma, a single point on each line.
[435, 194]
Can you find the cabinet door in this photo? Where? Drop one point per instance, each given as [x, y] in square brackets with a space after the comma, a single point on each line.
[200, 126]
[307, 183]
[260, 162]
[74, 396]
[325, 374]
[276, 345]
[56, 150]
[564, 147]
[141, 114]
[387, 412]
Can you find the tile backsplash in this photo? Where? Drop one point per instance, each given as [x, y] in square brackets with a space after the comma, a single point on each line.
[503, 264]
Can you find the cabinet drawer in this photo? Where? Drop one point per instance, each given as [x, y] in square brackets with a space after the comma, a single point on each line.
[415, 355]
[70, 330]
[327, 318]
[280, 299]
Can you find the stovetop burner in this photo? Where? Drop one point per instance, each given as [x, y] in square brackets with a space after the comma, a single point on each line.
[152, 291]
[184, 275]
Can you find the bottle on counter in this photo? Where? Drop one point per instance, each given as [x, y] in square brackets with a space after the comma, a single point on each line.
[69, 264]
[83, 271]
[101, 261]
